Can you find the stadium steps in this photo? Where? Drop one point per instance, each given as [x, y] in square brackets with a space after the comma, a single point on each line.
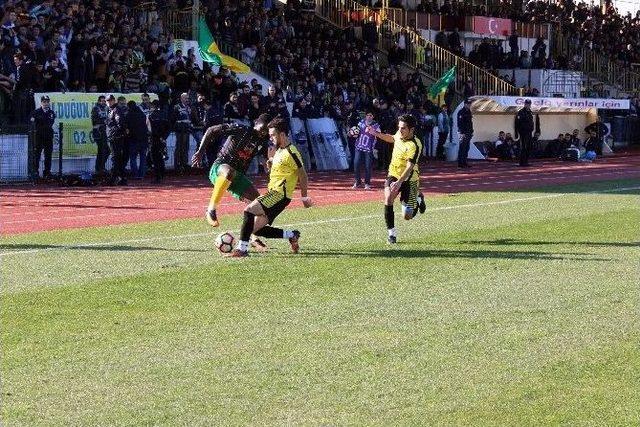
[599, 69]
[423, 55]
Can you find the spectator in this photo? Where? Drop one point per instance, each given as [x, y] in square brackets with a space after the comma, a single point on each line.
[443, 131]
[364, 147]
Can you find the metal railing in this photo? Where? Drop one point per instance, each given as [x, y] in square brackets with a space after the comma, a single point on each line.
[597, 65]
[421, 54]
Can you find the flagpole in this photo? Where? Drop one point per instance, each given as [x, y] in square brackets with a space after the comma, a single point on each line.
[195, 16]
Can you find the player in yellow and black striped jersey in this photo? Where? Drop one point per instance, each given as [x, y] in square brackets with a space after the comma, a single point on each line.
[403, 177]
[286, 171]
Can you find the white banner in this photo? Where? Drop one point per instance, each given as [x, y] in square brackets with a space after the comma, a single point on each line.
[184, 46]
[599, 103]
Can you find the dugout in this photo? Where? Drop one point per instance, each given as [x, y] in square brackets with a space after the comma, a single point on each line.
[491, 114]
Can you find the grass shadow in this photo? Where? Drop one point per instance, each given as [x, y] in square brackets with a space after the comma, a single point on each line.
[521, 242]
[398, 252]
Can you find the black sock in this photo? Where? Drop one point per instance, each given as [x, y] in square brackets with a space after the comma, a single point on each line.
[270, 232]
[388, 217]
[247, 226]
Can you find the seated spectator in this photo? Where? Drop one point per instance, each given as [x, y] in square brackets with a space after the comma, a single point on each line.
[555, 147]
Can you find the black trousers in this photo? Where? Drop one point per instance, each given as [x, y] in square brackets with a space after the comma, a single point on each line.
[44, 142]
[463, 152]
[442, 139]
[120, 156]
[525, 147]
[157, 156]
[100, 137]
[181, 153]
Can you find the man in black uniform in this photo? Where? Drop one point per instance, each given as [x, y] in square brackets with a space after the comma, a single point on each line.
[465, 128]
[99, 122]
[42, 119]
[228, 170]
[117, 137]
[159, 126]
[524, 127]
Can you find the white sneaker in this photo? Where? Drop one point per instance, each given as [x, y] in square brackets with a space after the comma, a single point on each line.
[367, 187]
[355, 185]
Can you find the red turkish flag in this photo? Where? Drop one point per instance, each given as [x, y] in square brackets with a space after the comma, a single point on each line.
[492, 26]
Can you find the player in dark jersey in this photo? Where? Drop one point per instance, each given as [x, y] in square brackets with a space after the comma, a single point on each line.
[228, 171]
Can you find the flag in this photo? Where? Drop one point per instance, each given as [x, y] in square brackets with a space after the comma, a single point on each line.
[210, 52]
[205, 40]
[440, 87]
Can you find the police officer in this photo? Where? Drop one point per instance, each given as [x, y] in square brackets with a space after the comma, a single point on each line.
[182, 116]
[465, 128]
[42, 120]
[159, 126]
[117, 137]
[524, 127]
[99, 121]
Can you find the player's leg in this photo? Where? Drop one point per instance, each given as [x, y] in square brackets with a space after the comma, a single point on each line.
[409, 199]
[253, 210]
[274, 203]
[389, 198]
[221, 176]
[263, 228]
[248, 193]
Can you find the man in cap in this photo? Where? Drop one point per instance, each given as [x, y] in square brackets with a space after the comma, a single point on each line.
[524, 127]
[42, 120]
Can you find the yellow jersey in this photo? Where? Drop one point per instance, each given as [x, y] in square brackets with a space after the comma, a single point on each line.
[284, 170]
[404, 151]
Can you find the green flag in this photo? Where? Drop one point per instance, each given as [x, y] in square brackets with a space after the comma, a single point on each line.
[205, 39]
[441, 85]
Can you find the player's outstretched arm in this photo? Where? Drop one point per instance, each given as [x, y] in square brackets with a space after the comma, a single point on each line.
[303, 179]
[382, 136]
[211, 134]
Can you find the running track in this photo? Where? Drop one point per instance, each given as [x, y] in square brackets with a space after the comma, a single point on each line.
[30, 208]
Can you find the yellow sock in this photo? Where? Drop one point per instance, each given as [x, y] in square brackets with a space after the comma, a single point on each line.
[221, 185]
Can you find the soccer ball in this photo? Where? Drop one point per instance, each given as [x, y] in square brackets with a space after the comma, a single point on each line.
[225, 242]
[354, 132]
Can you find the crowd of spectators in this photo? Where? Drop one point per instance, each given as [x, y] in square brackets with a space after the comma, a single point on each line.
[585, 24]
[110, 46]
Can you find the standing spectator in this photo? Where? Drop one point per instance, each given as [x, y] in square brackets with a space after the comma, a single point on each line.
[524, 127]
[42, 119]
[465, 128]
[99, 121]
[469, 89]
[23, 79]
[364, 147]
[159, 129]
[116, 135]
[138, 140]
[182, 119]
[443, 131]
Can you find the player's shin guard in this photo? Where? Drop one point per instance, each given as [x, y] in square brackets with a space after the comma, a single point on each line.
[221, 185]
[388, 217]
[270, 232]
[247, 228]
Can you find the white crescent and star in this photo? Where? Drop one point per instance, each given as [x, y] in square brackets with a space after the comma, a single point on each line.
[493, 26]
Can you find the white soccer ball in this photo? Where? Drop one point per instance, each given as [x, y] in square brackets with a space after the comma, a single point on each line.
[225, 242]
[354, 132]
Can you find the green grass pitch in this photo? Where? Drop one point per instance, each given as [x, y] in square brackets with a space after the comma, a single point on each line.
[495, 308]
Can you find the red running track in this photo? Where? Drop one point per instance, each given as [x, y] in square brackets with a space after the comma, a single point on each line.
[40, 208]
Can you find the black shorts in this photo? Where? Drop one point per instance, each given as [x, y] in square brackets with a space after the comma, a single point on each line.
[408, 191]
[273, 203]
